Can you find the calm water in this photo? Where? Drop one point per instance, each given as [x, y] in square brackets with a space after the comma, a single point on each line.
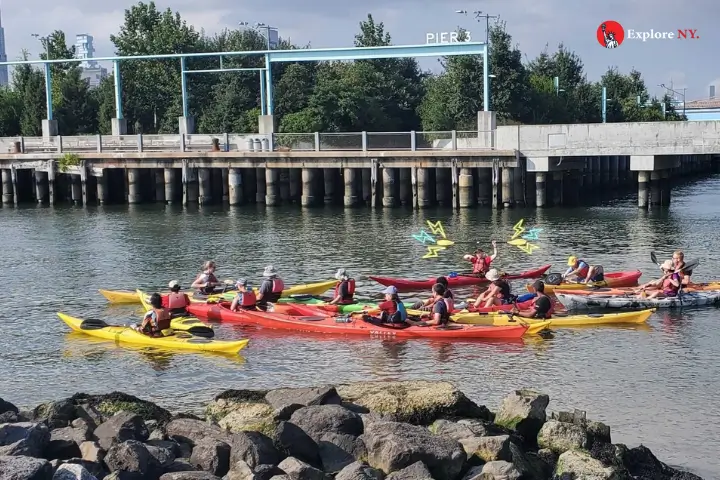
[655, 385]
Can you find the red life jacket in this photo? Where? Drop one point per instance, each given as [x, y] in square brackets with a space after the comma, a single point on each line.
[278, 285]
[583, 271]
[450, 303]
[480, 265]
[176, 301]
[350, 289]
[247, 299]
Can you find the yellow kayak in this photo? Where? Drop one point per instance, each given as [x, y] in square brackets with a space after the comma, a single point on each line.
[534, 326]
[181, 340]
[317, 288]
[560, 320]
[182, 324]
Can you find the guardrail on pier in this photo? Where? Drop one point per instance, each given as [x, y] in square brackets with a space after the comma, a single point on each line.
[299, 142]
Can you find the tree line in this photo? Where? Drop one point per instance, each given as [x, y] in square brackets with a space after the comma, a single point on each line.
[389, 95]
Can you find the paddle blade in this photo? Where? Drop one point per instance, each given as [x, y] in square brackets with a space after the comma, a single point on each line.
[445, 243]
[690, 265]
[653, 257]
[518, 242]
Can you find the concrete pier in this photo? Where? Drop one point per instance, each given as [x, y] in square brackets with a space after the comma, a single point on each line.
[205, 196]
[508, 188]
[170, 178]
[389, 179]
[101, 189]
[350, 180]
[7, 187]
[540, 189]
[272, 186]
[134, 186]
[190, 185]
[41, 186]
[309, 187]
[643, 191]
[466, 190]
[424, 199]
[235, 187]
[260, 185]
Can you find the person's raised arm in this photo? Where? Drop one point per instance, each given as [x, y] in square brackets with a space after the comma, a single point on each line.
[495, 252]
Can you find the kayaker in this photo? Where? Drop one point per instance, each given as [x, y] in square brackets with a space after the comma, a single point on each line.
[271, 288]
[245, 298]
[498, 293]
[582, 272]
[427, 304]
[176, 302]
[678, 260]
[542, 305]
[392, 310]
[155, 320]
[344, 289]
[206, 282]
[440, 314]
[481, 261]
[666, 286]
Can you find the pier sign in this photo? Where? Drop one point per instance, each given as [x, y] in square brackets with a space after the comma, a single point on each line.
[446, 37]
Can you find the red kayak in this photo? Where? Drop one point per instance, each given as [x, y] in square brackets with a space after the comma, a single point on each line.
[350, 325]
[404, 285]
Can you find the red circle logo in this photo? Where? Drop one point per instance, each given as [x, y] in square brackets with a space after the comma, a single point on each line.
[610, 34]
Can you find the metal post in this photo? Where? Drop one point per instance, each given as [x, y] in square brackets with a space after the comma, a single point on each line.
[48, 91]
[183, 83]
[604, 105]
[262, 93]
[486, 78]
[118, 89]
[268, 85]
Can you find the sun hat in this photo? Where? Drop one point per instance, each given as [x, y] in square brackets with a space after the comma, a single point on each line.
[667, 265]
[269, 271]
[492, 275]
[241, 282]
[341, 274]
[173, 284]
[390, 290]
[572, 261]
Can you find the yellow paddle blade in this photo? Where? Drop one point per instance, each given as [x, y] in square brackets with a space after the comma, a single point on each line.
[519, 242]
[445, 243]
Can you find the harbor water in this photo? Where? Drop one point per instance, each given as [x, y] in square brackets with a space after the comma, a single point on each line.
[654, 384]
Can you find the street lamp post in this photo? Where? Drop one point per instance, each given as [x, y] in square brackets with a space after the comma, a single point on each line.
[677, 93]
[478, 16]
[48, 78]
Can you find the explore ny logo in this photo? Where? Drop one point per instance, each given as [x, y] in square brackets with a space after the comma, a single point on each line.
[610, 34]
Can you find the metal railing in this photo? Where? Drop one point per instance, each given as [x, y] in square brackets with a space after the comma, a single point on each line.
[225, 142]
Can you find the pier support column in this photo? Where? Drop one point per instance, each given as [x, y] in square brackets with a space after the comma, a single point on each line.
[134, 192]
[102, 188]
[374, 174]
[484, 186]
[260, 185]
[83, 183]
[405, 187]
[496, 199]
[557, 188]
[76, 189]
[540, 189]
[41, 186]
[235, 186]
[389, 186]
[272, 186]
[643, 180]
[51, 181]
[190, 185]
[7, 187]
[423, 188]
[350, 180]
[170, 175]
[465, 188]
[309, 187]
[330, 180]
[204, 186]
[159, 180]
[284, 182]
[508, 189]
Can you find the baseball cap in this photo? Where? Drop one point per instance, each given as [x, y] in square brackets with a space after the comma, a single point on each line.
[173, 284]
[390, 290]
[241, 282]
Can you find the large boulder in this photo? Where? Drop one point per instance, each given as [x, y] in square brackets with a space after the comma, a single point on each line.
[291, 441]
[561, 437]
[72, 471]
[119, 428]
[316, 420]
[359, 471]
[112, 403]
[298, 470]
[65, 443]
[6, 406]
[417, 401]
[55, 414]
[212, 456]
[479, 438]
[525, 412]
[338, 450]
[189, 476]
[241, 410]
[576, 464]
[416, 471]
[132, 456]
[24, 468]
[641, 463]
[25, 438]
[500, 470]
[282, 397]
[253, 448]
[191, 431]
[393, 446]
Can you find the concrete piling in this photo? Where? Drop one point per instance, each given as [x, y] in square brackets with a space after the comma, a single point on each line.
[643, 181]
[389, 178]
[309, 187]
[272, 186]
[235, 186]
[170, 179]
[101, 188]
[540, 189]
[508, 188]
[350, 180]
[190, 185]
[41, 186]
[7, 187]
[204, 186]
[424, 200]
[466, 191]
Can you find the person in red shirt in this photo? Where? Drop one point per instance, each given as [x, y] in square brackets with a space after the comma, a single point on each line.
[392, 309]
[481, 261]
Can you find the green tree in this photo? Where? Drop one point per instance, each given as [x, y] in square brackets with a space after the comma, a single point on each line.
[10, 112]
[29, 86]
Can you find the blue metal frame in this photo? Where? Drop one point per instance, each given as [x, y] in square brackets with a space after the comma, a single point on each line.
[183, 82]
[280, 56]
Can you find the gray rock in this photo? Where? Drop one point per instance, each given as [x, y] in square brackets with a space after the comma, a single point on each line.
[6, 406]
[241, 471]
[254, 448]
[164, 456]
[65, 443]
[598, 432]
[561, 437]
[525, 412]
[284, 413]
[10, 417]
[642, 464]
[24, 468]
[359, 471]
[475, 473]
[189, 476]
[211, 456]
[171, 446]
[95, 469]
[529, 464]
[298, 470]
[25, 438]
[317, 420]
[122, 475]
[339, 450]
[181, 465]
[55, 414]
[478, 438]
[191, 431]
[72, 471]
[580, 465]
[500, 470]
[280, 477]
[416, 471]
[393, 446]
[291, 441]
[488, 449]
[548, 456]
[91, 452]
[283, 397]
[119, 428]
[92, 416]
[132, 456]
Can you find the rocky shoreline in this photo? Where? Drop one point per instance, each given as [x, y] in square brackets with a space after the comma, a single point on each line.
[413, 430]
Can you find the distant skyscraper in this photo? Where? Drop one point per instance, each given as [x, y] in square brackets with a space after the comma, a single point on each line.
[84, 50]
[264, 31]
[4, 80]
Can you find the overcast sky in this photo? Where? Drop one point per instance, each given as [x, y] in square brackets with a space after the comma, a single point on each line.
[533, 24]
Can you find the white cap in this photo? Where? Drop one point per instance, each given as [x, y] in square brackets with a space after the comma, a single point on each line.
[390, 290]
[173, 284]
[492, 275]
[667, 265]
[241, 282]
[341, 273]
[269, 271]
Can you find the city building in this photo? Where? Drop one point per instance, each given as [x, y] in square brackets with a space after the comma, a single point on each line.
[92, 71]
[4, 78]
[704, 109]
[264, 30]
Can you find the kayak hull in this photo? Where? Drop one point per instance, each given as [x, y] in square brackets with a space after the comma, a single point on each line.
[405, 285]
[612, 280]
[561, 320]
[180, 341]
[693, 287]
[181, 324]
[128, 297]
[579, 302]
[353, 325]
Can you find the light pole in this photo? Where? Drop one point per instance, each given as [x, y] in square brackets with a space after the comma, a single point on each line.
[261, 26]
[478, 16]
[677, 93]
[556, 82]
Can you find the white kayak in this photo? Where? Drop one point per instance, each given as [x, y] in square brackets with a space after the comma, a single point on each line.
[690, 299]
